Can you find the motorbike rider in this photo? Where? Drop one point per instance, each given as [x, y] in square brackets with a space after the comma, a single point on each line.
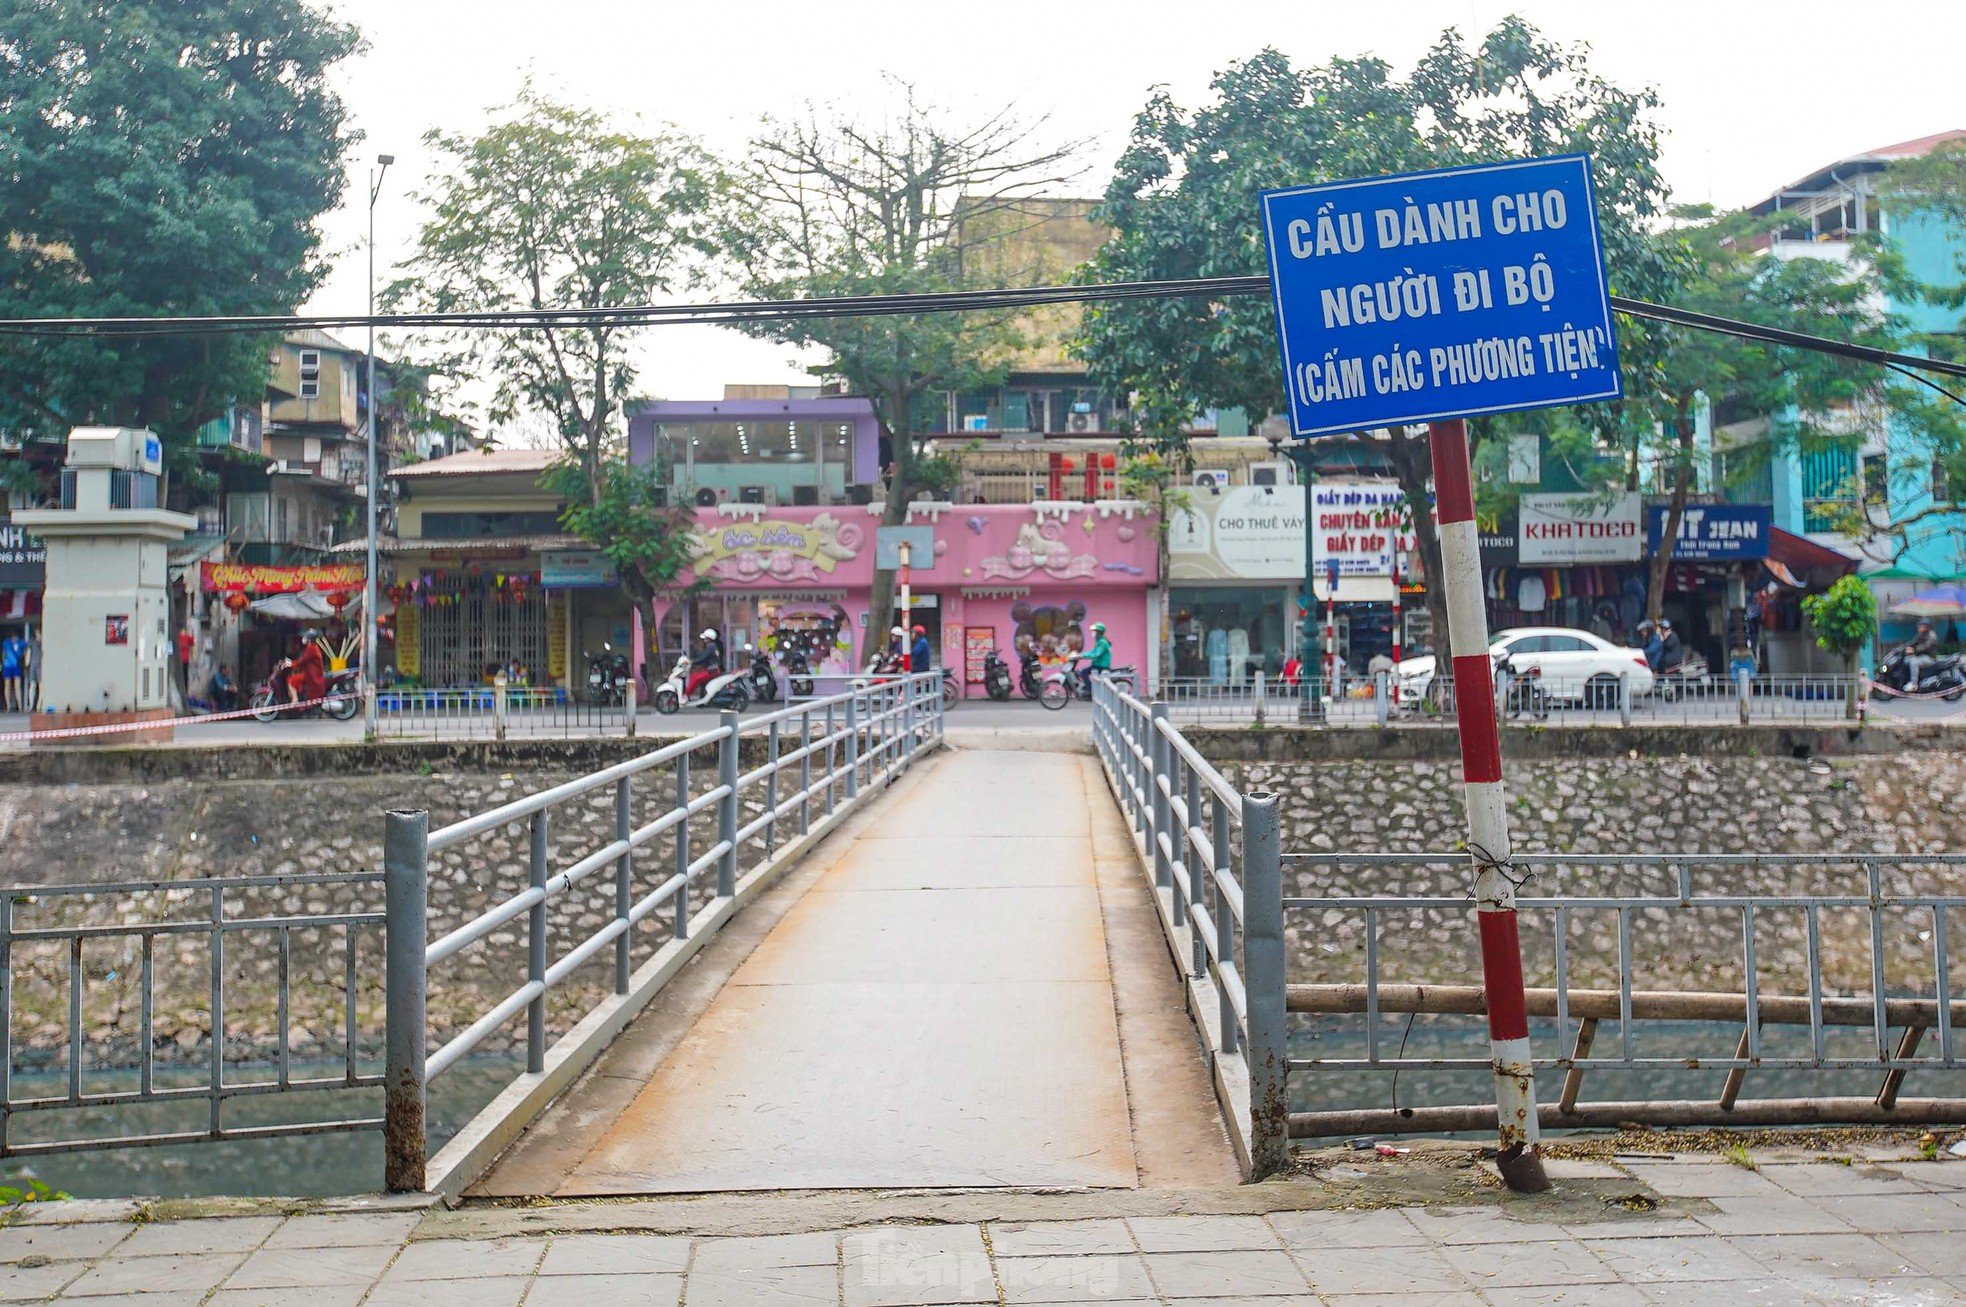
[307, 676]
[919, 653]
[1099, 658]
[705, 663]
[1919, 650]
[1672, 654]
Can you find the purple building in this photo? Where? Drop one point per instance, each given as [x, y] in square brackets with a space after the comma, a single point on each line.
[762, 451]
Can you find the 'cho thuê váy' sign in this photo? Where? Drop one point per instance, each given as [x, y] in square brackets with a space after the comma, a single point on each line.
[1442, 294]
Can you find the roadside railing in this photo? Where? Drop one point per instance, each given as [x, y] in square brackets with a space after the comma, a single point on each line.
[655, 892]
[1213, 853]
[495, 712]
[1680, 973]
[156, 1009]
[73, 970]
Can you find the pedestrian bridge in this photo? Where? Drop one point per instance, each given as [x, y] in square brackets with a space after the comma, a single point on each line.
[831, 947]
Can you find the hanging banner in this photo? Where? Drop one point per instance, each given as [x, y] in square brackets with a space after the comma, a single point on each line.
[1558, 530]
[565, 569]
[250, 578]
[1440, 294]
[1358, 529]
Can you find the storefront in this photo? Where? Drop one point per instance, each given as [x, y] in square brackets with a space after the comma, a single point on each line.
[1569, 560]
[249, 643]
[1236, 575]
[998, 577]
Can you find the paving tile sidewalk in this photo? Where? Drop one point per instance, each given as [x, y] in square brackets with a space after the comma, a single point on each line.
[1790, 1233]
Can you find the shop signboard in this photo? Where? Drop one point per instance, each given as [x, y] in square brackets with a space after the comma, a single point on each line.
[1441, 294]
[569, 569]
[978, 643]
[1713, 533]
[23, 557]
[1559, 530]
[1361, 528]
[1247, 533]
[249, 578]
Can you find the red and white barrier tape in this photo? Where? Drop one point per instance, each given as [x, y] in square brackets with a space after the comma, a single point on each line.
[115, 728]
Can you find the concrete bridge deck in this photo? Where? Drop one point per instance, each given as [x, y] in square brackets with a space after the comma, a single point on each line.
[965, 987]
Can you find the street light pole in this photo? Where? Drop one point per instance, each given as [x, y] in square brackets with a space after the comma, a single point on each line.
[374, 486]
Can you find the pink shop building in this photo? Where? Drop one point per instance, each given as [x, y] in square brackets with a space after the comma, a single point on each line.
[1003, 577]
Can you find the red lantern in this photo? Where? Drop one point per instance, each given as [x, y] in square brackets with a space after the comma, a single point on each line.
[236, 600]
[339, 599]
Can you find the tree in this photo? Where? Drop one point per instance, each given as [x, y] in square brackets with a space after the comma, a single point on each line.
[159, 159]
[1844, 616]
[909, 202]
[1182, 203]
[554, 207]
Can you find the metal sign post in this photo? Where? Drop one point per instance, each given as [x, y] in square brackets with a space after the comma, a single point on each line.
[1432, 297]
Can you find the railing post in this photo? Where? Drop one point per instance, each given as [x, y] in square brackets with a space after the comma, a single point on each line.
[682, 848]
[1263, 977]
[628, 701]
[624, 881]
[1157, 752]
[852, 744]
[1225, 920]
[1744, 691]
[1624, 699]
[907, 752]
[499, 683]
[1258, 688]
[406, 885]
[727, 810]
[1381, 697]
[536, 950]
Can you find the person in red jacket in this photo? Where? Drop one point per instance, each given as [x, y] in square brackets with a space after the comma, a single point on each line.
[309, 677]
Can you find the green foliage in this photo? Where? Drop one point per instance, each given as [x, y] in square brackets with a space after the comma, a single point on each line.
[1843, 617]
[555, 207]
[159, 159]
[625, 518]
[28, 1189]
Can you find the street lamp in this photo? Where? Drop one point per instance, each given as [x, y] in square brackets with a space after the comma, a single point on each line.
[375, 491]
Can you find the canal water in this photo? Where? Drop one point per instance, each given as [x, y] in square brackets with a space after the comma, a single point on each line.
[304, 1166]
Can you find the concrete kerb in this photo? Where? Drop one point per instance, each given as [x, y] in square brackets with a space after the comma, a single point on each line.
[1228, 1072]
[498, 1125]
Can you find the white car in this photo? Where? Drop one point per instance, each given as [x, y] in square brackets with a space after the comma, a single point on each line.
[1576, 666]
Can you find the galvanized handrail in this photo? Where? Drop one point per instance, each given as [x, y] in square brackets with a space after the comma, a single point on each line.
[1213, 855]
[1905, 996]
[819, 757]
[207, 896]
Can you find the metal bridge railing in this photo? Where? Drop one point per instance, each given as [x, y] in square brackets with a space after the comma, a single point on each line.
[1798, 971]
[178, 944]
[499, 712]
[276, 980]
[1213, 853]
[818, 758]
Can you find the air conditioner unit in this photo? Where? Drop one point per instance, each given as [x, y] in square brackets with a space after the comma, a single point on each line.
[1212, 478]
[976, 422]
[805, 496]
[1269, 474]
[1080, 423]
[706, 497]
[10, 442]
[755, 495]
[860, 493]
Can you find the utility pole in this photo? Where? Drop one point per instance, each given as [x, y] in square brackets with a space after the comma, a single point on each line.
[369, 587]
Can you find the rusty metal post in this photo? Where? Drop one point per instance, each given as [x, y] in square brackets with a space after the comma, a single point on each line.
[1266, 1043]
[406, 892]
[1519, 1154]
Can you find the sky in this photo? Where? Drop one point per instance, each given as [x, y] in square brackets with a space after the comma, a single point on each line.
[1756, 94]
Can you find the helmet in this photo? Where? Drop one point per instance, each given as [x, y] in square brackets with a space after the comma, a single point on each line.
[921, 630]
[1665, 624]
[1924, 621]
[706, 635]
[895, 630]
[1099, 627]
[1645, 625]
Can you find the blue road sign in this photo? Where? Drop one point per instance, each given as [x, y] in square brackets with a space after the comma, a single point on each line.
[1440, 294]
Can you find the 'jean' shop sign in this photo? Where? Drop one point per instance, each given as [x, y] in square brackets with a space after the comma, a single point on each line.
[1713, 533]
[1559, 530]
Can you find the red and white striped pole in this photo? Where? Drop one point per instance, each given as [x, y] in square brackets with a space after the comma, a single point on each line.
[1520, 1159]
[1396, 626]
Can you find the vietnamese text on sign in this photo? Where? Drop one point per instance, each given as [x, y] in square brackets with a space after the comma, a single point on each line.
[1714, 532]
[1440, 294]
[1583, 528]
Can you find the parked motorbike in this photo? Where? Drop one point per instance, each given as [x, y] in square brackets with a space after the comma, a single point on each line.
[1673, 684]
[341, 699]
[1944, 677]
[798, 673]
[1030, 674]
[1520, 690]
[731, 689]
[764, 677]
[996, 677]
[607, 676]
[952, 689]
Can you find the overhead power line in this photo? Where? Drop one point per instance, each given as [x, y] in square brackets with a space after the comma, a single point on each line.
[742, 312]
